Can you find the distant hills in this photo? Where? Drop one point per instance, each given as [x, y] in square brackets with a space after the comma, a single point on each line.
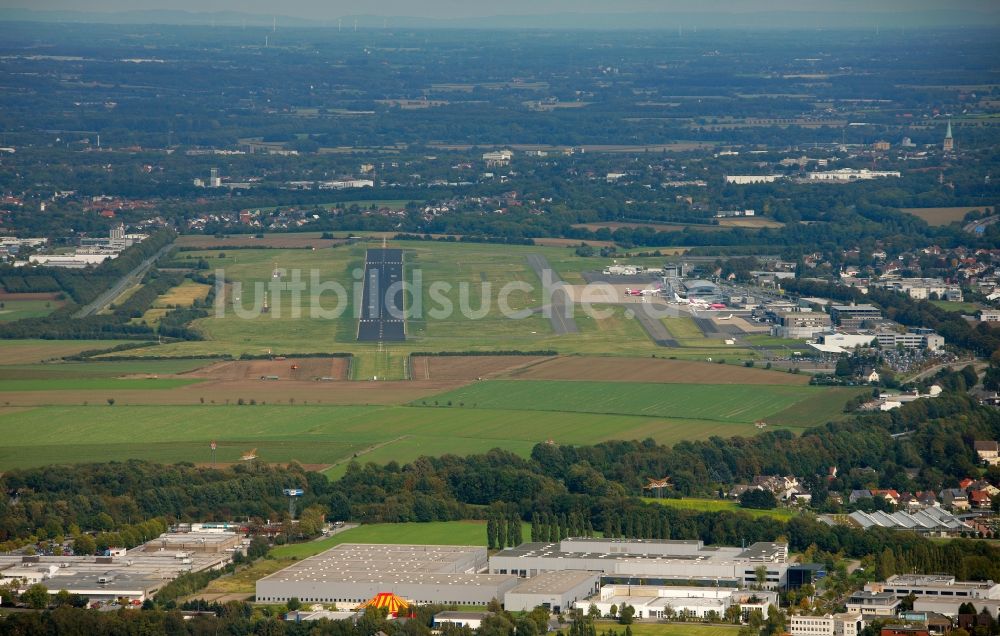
[985, 17]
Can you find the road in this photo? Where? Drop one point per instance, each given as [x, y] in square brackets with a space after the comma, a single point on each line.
[130, 279]
[561, 324]
[958, 364]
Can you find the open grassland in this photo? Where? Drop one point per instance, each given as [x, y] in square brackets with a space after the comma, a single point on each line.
[430, 533]
[97, 369]
[311, 434]
[463, 315]
[17, 309]
[615, 369]
[91, 384]
[943, 216]
[28, 351]
[719, 403]
[950, 305]
[720, 505]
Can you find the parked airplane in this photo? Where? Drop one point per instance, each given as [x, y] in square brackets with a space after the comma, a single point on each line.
[640, 292]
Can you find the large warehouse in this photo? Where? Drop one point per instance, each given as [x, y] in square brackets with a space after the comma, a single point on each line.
[352, 573]
[653, 561]
[555, 591]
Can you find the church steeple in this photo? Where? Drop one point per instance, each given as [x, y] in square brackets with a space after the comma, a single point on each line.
[949, 141]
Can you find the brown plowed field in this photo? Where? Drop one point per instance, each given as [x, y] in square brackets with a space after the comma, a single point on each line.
[652, 370]
[468, 368]
[307, 369]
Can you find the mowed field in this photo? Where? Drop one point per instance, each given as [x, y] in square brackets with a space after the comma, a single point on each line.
[943, 216]
[713, 402]
[28, 351]
[430, 533]
[616, 369]
[311, 434]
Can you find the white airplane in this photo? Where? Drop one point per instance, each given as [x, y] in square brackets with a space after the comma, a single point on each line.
[724, 317]
[641, 292]
[690, 302]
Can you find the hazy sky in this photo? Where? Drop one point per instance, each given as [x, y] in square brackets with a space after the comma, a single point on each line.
[325, 9]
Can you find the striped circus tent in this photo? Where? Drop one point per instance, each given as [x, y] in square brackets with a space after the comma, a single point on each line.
[388, 601]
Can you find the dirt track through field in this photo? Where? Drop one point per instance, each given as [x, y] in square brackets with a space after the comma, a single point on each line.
[611, 369]
[303, 369]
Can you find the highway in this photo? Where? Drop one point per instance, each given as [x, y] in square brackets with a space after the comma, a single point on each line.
[130, 279]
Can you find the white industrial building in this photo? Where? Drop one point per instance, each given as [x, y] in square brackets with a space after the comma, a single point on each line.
[650, 601]
[936, 585]
[498, 158]
[871, 604]
[849, 174]
[356, 572]
[654, 561]
[846, 624]
[750, 179]
[133, 576]
[554, 591]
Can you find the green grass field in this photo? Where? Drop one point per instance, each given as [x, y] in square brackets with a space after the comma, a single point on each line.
[97, 369]
[91, 384]
[18, 309]
[965, 308]
[719, 505]
[431, 533]
[721, 403]
[312, 434]
[464, 267]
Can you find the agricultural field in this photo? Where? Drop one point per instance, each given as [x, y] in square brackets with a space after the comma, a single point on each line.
[465, 267]
[719, 505]
[717, 403]
[326, 437]
[30, 351]
[616, 369]
[950, 305]
[942, 216]
[430, 533]
[18, 309]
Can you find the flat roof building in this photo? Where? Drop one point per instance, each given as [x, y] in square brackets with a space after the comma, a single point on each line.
[873, 603]
[651, 601]
[931, 585]
[851, 316]
[554, 591]
[846, 624]
[652, 560]
[356, 572]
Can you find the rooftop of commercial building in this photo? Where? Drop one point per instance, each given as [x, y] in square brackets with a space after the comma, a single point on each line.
[652, 549]
[556, 582]
[370, 563]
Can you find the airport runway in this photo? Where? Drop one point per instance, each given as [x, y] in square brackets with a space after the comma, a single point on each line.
[557, 316]
[383, 268]
[652, 323]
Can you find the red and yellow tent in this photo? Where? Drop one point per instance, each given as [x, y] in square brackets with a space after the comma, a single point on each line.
[394, 605]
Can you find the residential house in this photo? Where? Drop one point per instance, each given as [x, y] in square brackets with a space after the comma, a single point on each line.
[988, 451]
[858, 495]
[955, 498]
[891, 496]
